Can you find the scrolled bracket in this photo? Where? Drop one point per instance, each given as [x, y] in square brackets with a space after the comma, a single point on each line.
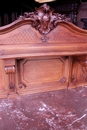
[10, 71]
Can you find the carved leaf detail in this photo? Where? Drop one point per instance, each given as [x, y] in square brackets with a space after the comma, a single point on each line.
[44, 18]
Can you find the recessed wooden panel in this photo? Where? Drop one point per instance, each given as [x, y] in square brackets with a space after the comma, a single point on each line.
[41, 70]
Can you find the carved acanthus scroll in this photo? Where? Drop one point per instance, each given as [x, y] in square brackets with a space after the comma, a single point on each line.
[44, 19]
[10, 70]
[79, 71]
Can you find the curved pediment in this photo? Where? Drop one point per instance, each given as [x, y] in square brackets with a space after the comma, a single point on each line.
[43, 25]
[29, 35]
[21, 32]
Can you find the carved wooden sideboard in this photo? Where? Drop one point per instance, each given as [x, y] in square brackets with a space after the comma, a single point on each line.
[42, 51]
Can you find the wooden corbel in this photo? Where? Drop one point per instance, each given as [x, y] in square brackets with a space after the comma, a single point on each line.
[10, 70]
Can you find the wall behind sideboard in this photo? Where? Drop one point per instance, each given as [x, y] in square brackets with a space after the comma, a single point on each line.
[82, 13]
[73, 10]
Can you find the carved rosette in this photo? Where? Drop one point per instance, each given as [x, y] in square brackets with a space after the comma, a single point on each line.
[44, 19]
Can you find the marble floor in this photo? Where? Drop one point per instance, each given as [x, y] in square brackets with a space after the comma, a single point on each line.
[56, 110]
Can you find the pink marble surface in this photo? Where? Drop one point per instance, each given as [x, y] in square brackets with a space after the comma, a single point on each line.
[57, 110]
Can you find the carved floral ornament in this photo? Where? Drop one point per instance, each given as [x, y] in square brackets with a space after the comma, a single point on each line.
[44, 18]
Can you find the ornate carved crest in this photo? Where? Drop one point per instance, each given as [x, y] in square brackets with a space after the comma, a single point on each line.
[44, 18]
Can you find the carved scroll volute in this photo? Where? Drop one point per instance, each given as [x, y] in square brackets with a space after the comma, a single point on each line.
[10, 71]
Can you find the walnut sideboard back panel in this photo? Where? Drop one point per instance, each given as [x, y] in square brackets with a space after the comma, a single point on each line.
[42, 51]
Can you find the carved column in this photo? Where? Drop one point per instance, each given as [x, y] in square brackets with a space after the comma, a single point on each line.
[10, 71]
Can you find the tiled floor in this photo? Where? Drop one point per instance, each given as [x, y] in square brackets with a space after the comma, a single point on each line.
[57, 110]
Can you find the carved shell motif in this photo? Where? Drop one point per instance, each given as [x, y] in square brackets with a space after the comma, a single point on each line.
[44, 18]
